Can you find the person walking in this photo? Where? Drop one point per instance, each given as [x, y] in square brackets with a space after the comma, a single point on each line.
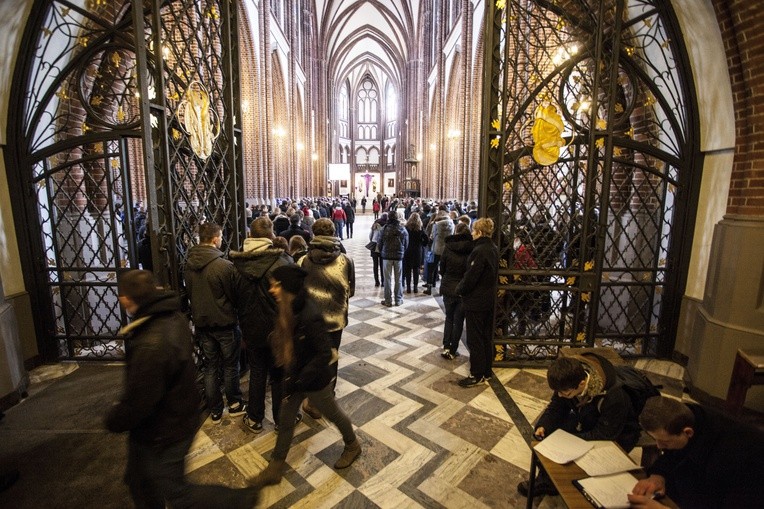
[159, 404]
[303, 350]
[330, 283]
[478, 291]
[257, 315]
[412, 258]
[375, 208]
[392, 245]
[453, 265]
[363, 205]
[210, 285]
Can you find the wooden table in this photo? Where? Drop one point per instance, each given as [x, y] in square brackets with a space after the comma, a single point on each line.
[562, 477]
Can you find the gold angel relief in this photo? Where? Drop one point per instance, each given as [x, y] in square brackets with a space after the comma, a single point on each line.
[199, 119]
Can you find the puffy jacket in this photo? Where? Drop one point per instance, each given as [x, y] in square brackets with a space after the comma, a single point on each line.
[440, 230]
[453, 262]
[393, 241]
[209, 281]
[313, 354]
[331, 279]
[256, 307]
[478, 286]
[160, 402]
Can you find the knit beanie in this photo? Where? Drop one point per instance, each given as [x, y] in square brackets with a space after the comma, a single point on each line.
[291, 277]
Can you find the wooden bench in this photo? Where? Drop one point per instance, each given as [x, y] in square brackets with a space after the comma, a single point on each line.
[748, 371]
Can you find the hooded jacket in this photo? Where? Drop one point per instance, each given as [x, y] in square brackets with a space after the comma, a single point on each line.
[453, 262]
[393, 241]
[440, 230]
[209, 281]
[256, 307]
[608, 415]
[160, 402]
[331, 279]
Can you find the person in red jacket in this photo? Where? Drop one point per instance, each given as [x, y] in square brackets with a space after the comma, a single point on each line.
[339, 218]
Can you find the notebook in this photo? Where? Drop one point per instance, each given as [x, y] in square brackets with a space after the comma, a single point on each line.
[607, 491]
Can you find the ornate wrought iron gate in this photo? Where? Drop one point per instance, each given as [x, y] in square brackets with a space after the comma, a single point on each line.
[112, 113]
[589, 146]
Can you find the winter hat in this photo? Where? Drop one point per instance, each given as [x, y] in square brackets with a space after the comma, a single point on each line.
[291, 277]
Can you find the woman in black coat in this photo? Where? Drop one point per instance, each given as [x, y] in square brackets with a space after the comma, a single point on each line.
[301, 346]
[412, 258]
[453, 265]
[478, 291]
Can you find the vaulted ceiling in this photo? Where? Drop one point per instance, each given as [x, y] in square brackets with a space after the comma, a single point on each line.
[375, 36]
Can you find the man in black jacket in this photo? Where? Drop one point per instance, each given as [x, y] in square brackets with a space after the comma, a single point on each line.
[392, 245]
[160, 402]
[257, 312]
[708, 460]
[478, 291]
[209, 281]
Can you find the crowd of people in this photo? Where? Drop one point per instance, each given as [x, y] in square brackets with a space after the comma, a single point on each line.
[282, 302]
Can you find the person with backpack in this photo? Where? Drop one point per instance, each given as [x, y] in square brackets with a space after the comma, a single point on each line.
[589, 401]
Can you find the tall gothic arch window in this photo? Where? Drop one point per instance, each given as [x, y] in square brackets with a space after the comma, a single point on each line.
[367, 101]
[342, 111]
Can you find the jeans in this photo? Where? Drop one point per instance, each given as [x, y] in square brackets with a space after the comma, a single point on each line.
[393, 275]
[324, 401]
[339, 226]
[349, 228]
[262, 365]
[156, 474]
[336, 338]
[480, 340]
[452, 329]
[221, 348]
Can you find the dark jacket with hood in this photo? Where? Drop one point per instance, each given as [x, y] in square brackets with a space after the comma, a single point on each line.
[417, 240]
[330, 280]
[313, 355]
[256, 307]
[209, 281]
[608, 415]
[453, 262]
[393, 240]
[478, 286]
[160, 402]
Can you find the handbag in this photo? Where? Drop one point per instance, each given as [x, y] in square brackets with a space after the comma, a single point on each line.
[371, 246]
[429, 256]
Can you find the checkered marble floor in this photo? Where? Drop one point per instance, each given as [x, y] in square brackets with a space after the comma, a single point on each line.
[426, 441]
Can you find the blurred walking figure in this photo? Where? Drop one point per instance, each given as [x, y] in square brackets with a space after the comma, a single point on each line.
[374, 236]
[303, 350]
[159, 405]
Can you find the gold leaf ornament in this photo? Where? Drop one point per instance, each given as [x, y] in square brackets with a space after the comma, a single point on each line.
[580, 337]
[501, 4]
[495, 142]
[199, 120]
[495, 124]
[547, 135]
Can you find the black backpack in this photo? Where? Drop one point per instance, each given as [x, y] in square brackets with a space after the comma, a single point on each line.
[637, 386]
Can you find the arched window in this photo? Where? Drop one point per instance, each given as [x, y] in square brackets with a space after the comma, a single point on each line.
[366, 116]
[391, 103]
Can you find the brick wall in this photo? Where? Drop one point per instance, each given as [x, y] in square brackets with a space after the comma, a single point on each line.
[740, 22]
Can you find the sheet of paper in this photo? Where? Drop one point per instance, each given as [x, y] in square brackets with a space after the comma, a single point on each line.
[605, 458]
[609, 491]
[562, 447]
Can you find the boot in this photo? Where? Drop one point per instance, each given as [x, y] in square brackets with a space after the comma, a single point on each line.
[351, 452]
[272, 473]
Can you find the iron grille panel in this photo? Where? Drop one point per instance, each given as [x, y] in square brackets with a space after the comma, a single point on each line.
[585, 234]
